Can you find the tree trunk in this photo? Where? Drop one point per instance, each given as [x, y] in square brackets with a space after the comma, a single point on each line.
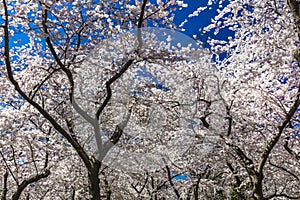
[94, 181]
[257, 187]
[196, 188]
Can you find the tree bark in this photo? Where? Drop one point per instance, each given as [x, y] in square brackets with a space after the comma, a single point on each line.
[26, 182]
[257, 187]
[94, 180]
[3, 196]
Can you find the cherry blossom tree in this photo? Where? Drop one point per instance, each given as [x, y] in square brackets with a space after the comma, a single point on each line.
[96, 105]
[261, 93]
[39, 89]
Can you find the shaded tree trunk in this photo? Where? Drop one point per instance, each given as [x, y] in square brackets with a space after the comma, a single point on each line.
[257, 187]
[94, 180]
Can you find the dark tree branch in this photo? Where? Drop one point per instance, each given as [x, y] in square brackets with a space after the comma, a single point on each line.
[108, 191]
[126, 65]
[280, 129]
[229, 117]
[4, 190]
[285, 170]
[171, 182]
[46, 160]
[32, 155]
[295, 9]
[26, 182]
[15, 163]
[66, 71]
[204, 121]
[75, 144]
[73, 193]
[233, 171]
[246, 161]
[8, 168]
[289, 150]
[139, 191]
[108, 87]
[163, 6]
[38, 87]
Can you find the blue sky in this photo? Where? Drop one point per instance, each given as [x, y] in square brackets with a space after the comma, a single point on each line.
[191, 27]
[195, 23]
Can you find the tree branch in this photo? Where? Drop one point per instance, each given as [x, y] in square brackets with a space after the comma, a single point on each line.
[289, 150]
[171, 182]
[55, 124]
[25, 183]
[8, 168]
[280, 129]
[4, 189]
[284, 169]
